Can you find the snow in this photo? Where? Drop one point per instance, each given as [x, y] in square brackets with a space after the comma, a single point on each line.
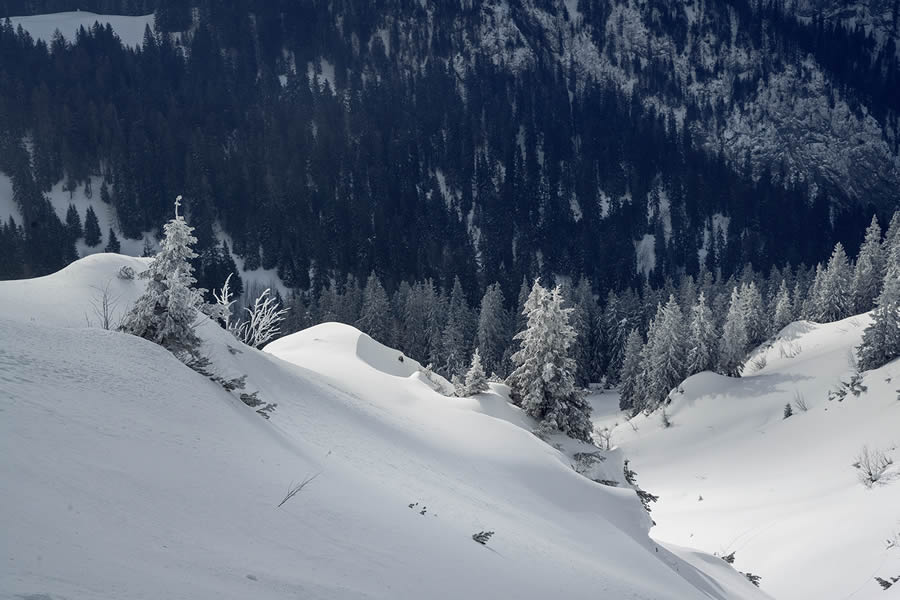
[42, 27]
[781, 493]
[645, 254]
[124, 473]
[7, 204]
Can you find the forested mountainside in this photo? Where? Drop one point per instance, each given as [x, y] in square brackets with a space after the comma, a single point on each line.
[486, 140]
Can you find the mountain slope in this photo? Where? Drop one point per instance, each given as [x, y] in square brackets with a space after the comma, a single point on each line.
[127, 475]
[734, 476]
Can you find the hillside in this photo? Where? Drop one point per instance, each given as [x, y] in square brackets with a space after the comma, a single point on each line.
[125, 474]
[733, 475]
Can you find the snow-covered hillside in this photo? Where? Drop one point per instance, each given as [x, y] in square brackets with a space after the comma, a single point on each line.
[124, 474]
[43, 27]
[733, 475]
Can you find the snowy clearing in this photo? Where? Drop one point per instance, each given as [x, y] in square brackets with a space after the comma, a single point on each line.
[733, 475]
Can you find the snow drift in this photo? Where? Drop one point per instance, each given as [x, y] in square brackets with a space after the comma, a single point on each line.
[124, 474]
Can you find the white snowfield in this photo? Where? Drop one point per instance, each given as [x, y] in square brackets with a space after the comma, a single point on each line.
[734, 476]
[43, 27]
[124, 474]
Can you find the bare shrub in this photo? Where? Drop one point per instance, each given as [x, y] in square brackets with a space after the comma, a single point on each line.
[800, 401]
[759, 363]
[604, 437]
[103, 305]
[871, 465]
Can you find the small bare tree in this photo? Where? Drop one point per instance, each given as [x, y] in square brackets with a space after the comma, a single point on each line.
[103, 305]
[224, 302]
[800, 401]
[872, 465]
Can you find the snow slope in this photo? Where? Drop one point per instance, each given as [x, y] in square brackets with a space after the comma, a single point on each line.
[123, 474]
[42, 27]
[780, 493]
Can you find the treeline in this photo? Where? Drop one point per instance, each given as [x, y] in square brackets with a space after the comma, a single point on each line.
[412, 173]
[647, 340]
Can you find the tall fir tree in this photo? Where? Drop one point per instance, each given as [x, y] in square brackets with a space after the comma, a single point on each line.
[869, 270]
[91, 228]
[167, 310]
[375, 313]
[734, 342]
[784, 312]
[881, 339]
[112, 245]
[457, 333]
[665, 355]
[493, 333]
[630, 374]
[835, 296]
[543, 382]
[73, 222]
[703, 339]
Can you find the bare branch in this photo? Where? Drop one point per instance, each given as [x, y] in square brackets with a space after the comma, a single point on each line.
[293, 490]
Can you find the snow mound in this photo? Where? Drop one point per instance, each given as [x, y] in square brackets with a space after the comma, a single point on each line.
[734, 475]
[42, 27]
[125, 474]
[330, 337]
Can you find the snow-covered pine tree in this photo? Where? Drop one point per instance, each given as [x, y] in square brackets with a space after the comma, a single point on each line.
[493, 335]
[167, 310]
[869, 270]
[91, 228]
[585, 320]
[733, 345]
[664, 362]
[630, 374]
[476, 380]
[543, 382]
[812, 308]
[457, 331]
[835, 295]
[784, 312]
[754, 314]
[881, 340]
[703, 340]
[375, 314]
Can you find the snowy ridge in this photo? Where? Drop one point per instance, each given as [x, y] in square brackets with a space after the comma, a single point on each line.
[734, 475]
[127, 475]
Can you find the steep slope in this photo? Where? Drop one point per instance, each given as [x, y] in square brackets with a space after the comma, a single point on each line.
[734, 476]
[126, 475]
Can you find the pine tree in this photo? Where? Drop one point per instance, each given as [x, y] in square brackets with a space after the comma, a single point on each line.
[543, 382]
[167, 310]
[113, 244]
[881, 340]
[784, 313]
[869, 270]
[663, 362]
[812, 305]
[835, 295]
[476, 380]
[457, 333]
[584, 319]
[73, 222]
[754, 315]
[703, 340]
[493, 330]
[733, 345]
[91, 228]
[630, 374]
[375, 314]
